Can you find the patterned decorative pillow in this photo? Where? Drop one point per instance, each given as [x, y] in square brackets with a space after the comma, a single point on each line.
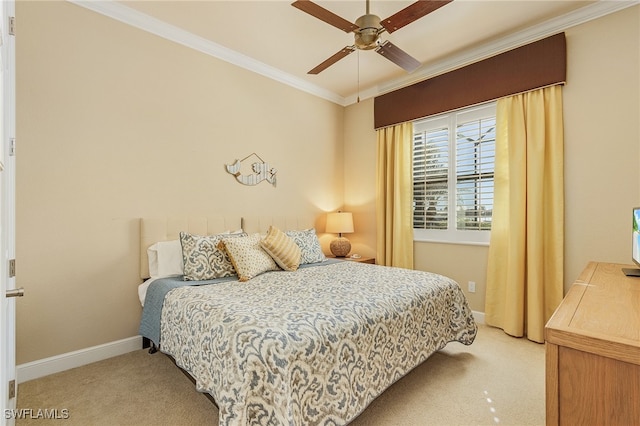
[282, 249]
[247, 257]
[307, 240]
[202, 259]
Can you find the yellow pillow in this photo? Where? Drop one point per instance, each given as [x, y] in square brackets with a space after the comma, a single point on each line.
[282, 249]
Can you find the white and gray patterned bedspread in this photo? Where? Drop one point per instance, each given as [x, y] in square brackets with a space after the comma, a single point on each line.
[314, 346]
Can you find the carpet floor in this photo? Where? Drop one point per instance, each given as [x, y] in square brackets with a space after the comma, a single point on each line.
[498, 380]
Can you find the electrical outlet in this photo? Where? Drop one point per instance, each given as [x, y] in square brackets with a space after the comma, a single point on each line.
[472, 287]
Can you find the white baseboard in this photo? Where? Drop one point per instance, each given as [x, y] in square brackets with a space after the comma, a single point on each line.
[55, 364]
[478, 316]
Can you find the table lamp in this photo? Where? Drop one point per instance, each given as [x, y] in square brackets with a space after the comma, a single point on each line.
[340, 223]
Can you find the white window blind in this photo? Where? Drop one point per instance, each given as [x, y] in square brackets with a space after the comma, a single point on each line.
[431, 178]
[453, 162]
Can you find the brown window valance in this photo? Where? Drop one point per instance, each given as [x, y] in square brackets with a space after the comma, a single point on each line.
[535, 65]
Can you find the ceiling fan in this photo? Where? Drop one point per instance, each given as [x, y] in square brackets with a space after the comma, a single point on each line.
[369, 27]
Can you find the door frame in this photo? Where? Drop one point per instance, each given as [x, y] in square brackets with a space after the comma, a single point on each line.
[7, 215]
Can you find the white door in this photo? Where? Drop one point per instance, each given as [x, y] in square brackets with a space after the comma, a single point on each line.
[7, 215]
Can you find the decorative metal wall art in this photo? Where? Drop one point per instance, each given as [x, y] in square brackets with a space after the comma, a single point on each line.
[261, 171]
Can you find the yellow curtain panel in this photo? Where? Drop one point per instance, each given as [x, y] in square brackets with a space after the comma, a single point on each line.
[525, 266]
[394, 196]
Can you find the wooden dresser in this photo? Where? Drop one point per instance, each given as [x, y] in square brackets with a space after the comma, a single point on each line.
[593, 351]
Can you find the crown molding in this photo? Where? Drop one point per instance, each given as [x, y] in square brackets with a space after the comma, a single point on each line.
[127, 15]
[537, 32]
[142, 21]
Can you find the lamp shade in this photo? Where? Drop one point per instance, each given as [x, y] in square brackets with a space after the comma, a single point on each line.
[339, 223]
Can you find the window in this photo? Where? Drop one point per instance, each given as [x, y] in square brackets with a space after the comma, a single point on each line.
[453, 161]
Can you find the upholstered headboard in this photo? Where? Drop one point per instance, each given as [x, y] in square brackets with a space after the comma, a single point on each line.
[253, 224]
[153, 230]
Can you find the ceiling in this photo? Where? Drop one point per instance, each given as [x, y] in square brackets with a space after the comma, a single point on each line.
[280, 41]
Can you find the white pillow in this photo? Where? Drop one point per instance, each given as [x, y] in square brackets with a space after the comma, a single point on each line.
[165, 259]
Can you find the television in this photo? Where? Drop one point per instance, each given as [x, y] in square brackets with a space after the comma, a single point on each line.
[635, 244]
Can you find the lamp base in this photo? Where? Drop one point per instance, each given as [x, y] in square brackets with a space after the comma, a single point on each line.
[340, 247]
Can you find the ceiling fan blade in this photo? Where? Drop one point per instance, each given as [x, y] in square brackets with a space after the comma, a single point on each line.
[324, 15]
[398, 56]
[411, 13]
[332, 60]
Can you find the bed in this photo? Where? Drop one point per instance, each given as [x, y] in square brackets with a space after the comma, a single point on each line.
[314, 345]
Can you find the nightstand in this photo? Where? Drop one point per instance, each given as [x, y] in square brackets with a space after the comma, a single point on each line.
[371, 260]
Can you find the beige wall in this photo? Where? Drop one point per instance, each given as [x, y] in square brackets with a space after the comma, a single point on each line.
[360, 176]
[602, 139]
[602, 156]
[114, 124]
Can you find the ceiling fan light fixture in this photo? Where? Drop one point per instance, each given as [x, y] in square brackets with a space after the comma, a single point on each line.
[366, 37]
[369, 28]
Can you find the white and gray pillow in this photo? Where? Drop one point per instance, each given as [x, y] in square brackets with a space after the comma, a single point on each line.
[202, 259]
[307, 240]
